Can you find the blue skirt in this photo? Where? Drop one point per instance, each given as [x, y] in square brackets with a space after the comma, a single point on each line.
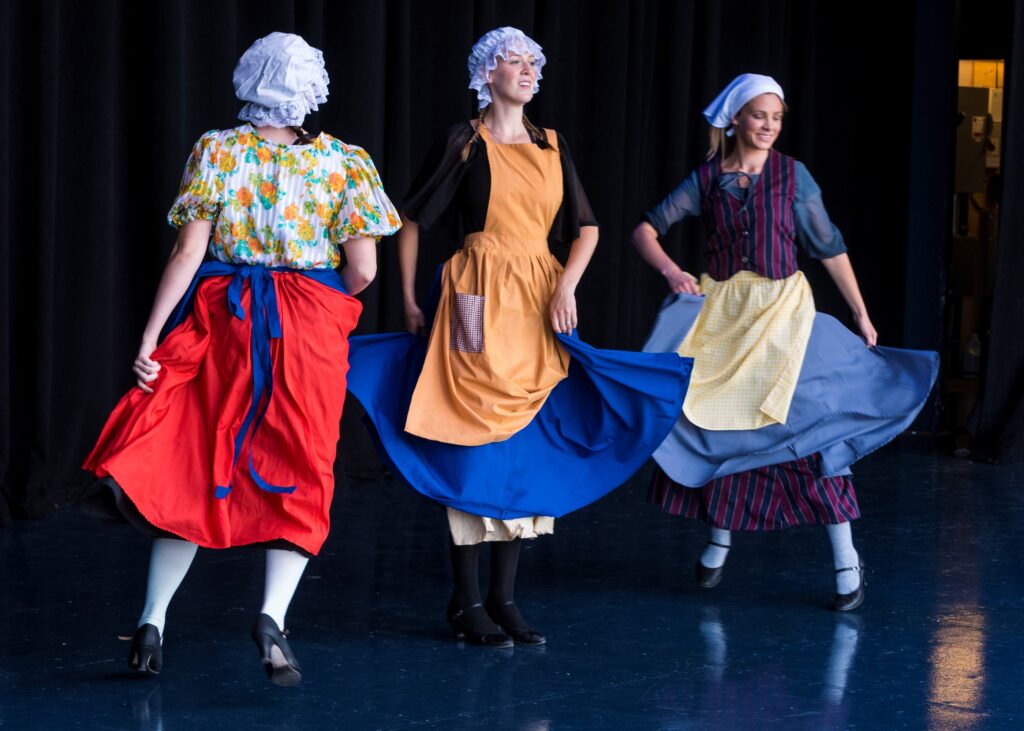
[849, 401]
[597, 427]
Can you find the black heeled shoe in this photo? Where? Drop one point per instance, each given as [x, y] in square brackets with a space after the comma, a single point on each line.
[849, 602]
[276, 655]
[708, 577]
[457, 619]
[146, 654]
[520, 635]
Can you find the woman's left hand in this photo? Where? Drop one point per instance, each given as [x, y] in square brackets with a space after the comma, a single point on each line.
[563, 309]
[867, 330]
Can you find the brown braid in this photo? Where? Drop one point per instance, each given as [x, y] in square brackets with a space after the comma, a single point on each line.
[476, 134]
[302, 137]
[537, 134]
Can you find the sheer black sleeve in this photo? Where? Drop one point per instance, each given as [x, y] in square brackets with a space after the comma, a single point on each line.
[575, 211]
[430, 199]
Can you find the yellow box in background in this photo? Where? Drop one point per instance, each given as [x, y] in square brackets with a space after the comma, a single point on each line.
[986, 73]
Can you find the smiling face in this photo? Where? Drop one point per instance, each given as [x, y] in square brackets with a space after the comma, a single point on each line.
[513, 79]
[759, 122]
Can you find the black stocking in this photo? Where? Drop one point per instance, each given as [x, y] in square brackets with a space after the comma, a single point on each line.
[504, 562]
[500, 596]
[465, 575]
[466, 589]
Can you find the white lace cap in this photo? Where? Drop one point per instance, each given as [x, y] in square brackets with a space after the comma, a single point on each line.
[483, 59]
[733, 97]
[282, 78]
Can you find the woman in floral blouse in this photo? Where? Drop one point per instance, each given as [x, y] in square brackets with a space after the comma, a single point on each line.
[229, 438]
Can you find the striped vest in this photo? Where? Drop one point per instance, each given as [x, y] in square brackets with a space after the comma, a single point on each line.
[758, 234]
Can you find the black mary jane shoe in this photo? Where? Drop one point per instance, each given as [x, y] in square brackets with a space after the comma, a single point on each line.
[520, 635]
[707, 577]
[849, 602]
[276, 655]
[146, 655]
[458, 620]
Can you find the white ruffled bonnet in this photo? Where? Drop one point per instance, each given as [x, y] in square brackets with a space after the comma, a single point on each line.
[483, 59]
[282, 79]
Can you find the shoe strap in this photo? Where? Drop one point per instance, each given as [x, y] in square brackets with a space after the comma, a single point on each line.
[720, 545]
[462, 611]
[858, 569]
[505, 627]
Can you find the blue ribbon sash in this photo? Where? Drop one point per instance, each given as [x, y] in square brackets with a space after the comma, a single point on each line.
[266, 325]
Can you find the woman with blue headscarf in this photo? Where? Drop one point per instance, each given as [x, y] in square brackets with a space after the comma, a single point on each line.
[229, 438]
[782, 399]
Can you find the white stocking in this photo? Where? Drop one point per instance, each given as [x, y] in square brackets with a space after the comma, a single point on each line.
[169, 561]
[284, 569]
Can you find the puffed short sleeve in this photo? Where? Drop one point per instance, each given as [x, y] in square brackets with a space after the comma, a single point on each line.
[201, 192]
[364, 209]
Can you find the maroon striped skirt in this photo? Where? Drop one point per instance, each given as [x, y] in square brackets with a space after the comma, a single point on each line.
[770, 498]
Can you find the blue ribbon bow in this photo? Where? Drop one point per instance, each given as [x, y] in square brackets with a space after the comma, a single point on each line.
[266, 325]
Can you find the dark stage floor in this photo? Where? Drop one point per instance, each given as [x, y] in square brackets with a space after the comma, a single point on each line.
[633, 643]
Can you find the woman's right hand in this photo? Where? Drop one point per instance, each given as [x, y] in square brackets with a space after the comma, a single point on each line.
[414, 320]
[145, 368]
[681, 282]
[867, 330]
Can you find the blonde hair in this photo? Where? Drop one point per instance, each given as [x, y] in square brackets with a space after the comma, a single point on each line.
[720, 143]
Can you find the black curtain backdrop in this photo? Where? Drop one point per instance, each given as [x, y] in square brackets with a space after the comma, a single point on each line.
[999, 425]
[932, 150]
[100, 103]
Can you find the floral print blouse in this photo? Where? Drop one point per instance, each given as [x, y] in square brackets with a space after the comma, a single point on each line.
[282, 205]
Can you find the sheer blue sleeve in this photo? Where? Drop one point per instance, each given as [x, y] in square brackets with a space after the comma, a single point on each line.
[817, 235]
[682, 202]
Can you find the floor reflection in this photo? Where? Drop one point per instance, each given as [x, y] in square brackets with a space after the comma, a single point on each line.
[840, 659]
[147, 712]
[767, 678]
[956, 681]
[957, 670]
[633, 642]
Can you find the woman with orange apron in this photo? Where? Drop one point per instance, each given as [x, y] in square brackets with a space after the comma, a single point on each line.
[503, 415]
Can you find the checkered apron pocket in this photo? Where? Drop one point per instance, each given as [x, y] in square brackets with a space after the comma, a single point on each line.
[467, 329]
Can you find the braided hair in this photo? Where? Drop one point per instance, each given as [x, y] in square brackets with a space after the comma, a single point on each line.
[536, 134]
[302, 137]
[476, 134]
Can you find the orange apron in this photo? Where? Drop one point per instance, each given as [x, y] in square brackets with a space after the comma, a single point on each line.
[493, 357]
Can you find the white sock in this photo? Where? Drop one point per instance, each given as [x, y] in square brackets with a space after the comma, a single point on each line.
[714, 556]
[284, 569]
[168, 563]
[844, 555]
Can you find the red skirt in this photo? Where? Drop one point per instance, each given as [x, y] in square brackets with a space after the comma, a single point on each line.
[770, 498]
[191, 457]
